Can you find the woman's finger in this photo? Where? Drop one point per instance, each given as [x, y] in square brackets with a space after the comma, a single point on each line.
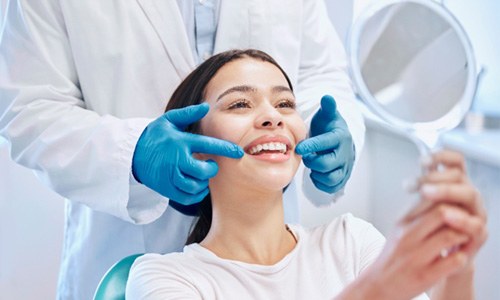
[445, 266]
[443, 239]
[448, 159]
[471, 225]
[451, 218]
[474, 227]
[421, 227]
[449, 175]
[464, 195]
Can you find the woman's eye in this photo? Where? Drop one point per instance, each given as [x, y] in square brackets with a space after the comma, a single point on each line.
[239, 104]
[287, 103]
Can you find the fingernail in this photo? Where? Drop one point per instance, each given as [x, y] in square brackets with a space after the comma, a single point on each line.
[426, 161]
[240, 152]
[452, 216]
[410, 185]
[429, 189]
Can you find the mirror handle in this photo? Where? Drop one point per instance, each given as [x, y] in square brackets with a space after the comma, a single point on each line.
[479, 78]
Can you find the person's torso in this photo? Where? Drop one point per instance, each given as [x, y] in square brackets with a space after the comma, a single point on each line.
[308, 272]
[131, 55]
[324, 261]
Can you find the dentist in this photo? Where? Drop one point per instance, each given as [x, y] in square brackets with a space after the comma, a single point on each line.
[83, 85]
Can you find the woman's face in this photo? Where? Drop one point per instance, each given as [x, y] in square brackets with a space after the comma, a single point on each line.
[252, 105]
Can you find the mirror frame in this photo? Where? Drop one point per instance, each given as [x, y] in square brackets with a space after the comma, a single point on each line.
[446, 122]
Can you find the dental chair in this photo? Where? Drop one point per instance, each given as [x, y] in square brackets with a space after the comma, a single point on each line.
[114, 282]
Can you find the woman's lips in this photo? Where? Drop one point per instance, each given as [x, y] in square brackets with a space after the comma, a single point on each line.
[272, 156]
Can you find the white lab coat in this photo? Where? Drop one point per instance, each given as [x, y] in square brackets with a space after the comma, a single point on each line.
[80, 80]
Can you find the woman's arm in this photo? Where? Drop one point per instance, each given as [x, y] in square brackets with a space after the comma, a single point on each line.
[434, 245]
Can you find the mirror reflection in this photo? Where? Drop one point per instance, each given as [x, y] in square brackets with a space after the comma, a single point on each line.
[413, 62]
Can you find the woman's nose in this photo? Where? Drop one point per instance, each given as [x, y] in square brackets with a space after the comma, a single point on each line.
[269, 118]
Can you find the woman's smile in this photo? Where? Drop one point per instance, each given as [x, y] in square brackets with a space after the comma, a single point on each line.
[269, 148]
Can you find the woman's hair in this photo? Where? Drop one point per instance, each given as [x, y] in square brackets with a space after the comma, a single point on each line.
[191, 91]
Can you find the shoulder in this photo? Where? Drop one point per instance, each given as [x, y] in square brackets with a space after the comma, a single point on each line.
[169, 267]
[193, 264]
[347, 225]
[351, 243]
[159, 261]
[156, 276]
[348, 233]
[173, 265]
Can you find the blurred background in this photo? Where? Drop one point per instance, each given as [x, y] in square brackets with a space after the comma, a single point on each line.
[31, 216]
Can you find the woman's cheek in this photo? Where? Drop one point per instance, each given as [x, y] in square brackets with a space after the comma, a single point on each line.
[209, 124]
[228, 127]
[300, 129]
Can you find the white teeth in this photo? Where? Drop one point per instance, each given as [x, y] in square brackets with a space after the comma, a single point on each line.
[281, 147]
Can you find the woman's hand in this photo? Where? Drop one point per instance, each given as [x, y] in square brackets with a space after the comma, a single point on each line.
[452, 183]
[435, 242]
[448, 184]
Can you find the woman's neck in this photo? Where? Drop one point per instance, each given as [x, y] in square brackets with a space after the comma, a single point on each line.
[248, 226]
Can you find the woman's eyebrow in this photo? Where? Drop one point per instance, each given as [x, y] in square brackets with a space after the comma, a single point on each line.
[248, 88]
[238, 88]
[281, 88]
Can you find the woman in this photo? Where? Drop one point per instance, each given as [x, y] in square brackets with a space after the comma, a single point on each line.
[242, 249]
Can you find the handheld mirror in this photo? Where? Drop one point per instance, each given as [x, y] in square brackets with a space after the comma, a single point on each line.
[413, 65]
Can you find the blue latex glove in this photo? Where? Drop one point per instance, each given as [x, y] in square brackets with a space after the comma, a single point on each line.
[329, 152]
[163, 158]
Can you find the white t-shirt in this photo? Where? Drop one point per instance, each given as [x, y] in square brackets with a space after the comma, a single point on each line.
[324, 261]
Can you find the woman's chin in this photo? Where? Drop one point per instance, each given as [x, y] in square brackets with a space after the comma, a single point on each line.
[257, 174]
[272, 182]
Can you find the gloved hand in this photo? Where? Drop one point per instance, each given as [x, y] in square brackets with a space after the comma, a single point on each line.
[163, 158]
[329, 151]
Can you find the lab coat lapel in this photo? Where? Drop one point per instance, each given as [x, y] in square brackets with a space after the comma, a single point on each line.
[166, 19]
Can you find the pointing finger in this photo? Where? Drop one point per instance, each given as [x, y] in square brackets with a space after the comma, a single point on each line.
[322, 142]
[328, 108]
[210, 145]
[182, 117]
[201, 170]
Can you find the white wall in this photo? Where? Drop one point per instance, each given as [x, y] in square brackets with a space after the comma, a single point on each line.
[486, 179]
[31, 230]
